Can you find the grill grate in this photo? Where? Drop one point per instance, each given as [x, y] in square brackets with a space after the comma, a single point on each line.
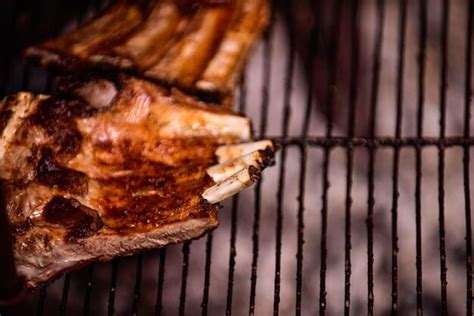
[264, 236]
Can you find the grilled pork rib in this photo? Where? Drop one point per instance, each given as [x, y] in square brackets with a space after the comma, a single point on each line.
[120, 169]
[200, 50]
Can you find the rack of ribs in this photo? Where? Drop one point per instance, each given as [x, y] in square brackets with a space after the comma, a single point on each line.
[198, 46]
[121, 167]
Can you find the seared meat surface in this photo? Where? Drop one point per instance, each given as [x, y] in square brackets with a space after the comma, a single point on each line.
[116, 167]
[120, 168]
[199, 46]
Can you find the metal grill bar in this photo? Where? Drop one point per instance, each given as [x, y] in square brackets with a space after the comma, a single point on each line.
[312, 50]
[235, 207]
[395, 194]
[348, 246]
[184, 278]
[324, 224]
[89, 285]
[300, 238]
[442, 233]
[370, 176]
[255, 247]
[266, 54]
[113, 287]
[375, 142]
[370, 234]
[267, 69]
[421, 99]
[354, 74]
[466, 158]
[421, 66]
[334, 52]
[396, 155]
[418, 260]
[353, 94]
[329, 105]
[279, 227]
[441, 166]
[232, 254]
[161, 282]
[444, 68]
[304, 154]
[281, 181]
[65, 294]
[41, 300]
[207, 275]
[138, 284]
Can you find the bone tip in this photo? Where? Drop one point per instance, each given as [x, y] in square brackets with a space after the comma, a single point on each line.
[254, 173]
[268, 156]
[228, 185]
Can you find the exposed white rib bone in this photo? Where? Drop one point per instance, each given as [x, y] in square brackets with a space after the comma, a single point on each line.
[99, 93]
[189, 122]
[220, 172]
[229, 152]
[230, 186]
[239, 168]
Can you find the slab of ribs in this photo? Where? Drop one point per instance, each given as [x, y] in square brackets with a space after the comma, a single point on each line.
[140, 144]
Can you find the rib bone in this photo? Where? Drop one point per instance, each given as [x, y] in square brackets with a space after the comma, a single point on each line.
[228, 152]
[222, 71]
[234, 175]
[98, 92]
[224, 170]
[186, 59]
[151, 41]
[230, 186]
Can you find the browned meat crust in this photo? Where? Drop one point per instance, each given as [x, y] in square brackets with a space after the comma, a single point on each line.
[106, 30]
[118, 167]
[90, 180]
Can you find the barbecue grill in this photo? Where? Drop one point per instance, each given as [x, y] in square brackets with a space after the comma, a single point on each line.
[369, 203]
